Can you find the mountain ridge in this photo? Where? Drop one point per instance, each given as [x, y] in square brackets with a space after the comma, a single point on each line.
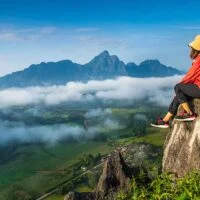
[102, 66]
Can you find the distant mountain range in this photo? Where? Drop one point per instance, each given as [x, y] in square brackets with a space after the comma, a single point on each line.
[101, 67]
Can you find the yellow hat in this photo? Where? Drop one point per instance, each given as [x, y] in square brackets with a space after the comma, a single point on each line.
[196, 43]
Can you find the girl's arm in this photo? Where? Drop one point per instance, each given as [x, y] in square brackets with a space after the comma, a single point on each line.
[192, 74]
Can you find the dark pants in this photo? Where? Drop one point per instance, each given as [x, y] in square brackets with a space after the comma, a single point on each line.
[184, 93]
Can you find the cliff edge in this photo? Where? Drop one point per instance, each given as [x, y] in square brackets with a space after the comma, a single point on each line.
[182, 145]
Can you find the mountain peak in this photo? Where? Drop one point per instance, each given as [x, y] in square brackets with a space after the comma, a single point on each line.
[105, 65]
[104, 53]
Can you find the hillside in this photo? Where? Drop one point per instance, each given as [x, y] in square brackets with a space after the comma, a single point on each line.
[179, 178]
[32, 168]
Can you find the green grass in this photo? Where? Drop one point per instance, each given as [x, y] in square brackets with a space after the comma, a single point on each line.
[23, 170]
[165, 187]
[55, 197]
[155, 136]
[82, 188]
[122, 111]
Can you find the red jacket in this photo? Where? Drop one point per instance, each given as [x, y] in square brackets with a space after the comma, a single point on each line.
[193, 75]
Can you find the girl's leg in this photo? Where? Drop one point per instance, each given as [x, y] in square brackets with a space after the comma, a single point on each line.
[172, 110]
[174, 107]
[185, 92]
[168, 116]
[186, 108]
[163, 123]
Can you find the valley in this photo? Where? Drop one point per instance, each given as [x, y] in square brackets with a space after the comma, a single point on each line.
[80, 138]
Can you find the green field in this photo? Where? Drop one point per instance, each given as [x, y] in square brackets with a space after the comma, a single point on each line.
[35, 168]
[154, 136]
[23, 170]
[55, 197]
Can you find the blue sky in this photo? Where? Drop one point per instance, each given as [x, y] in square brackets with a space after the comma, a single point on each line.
[36, 31]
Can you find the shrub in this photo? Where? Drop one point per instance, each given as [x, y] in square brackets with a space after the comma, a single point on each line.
[165, 187]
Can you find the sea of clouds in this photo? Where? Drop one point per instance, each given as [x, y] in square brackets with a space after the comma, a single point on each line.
[155, 90]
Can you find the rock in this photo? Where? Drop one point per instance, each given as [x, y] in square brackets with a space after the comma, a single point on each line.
[80, 196]
[116, 175]
[182, 145]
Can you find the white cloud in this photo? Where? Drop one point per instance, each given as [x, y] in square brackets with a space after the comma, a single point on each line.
[158, 91]
[109, 123]
[19, 132]
[48, 133]
[9, 36]
[155, 90]
[98, 112]
[102, 41]
[86, 29]
[140, 117]
[25, 34]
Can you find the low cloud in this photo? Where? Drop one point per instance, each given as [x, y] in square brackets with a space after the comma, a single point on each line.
[20, 132]
[50, 134]
[155, 90]
[111, 124]
[97, 112]
[141, 117]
